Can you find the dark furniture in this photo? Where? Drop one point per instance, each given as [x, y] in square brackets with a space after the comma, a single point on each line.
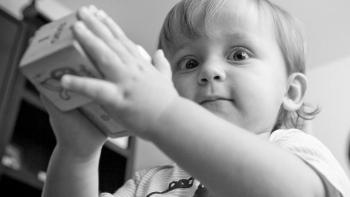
[26, 138]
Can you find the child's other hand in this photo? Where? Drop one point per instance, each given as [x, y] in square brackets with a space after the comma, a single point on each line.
[134, 92]
[74, 133]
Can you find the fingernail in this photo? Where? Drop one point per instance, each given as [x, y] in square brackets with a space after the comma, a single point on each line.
[143, 52]
[161, 52]
[102, 14]
[92, 8]
[78, 26]
[83, 12]
[86, 10]
[65, 80]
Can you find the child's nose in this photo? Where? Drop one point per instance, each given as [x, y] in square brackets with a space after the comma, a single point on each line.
[211, 73]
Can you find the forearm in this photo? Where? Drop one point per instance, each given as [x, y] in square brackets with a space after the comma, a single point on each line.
[69, 175]
[226, 158]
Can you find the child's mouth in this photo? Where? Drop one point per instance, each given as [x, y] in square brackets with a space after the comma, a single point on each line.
[214, 100]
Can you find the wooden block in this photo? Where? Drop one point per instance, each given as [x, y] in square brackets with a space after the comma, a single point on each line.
[103, 121]
[54, 52]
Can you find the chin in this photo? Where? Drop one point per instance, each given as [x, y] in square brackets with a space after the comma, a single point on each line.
[242, 123]
[228, 116]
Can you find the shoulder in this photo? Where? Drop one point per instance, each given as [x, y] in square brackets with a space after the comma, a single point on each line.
[315, 154]
[284, 137]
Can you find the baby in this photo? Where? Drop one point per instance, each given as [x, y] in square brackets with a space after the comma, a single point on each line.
[231, 71]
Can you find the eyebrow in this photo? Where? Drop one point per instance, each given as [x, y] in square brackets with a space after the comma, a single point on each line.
[239, 36]
[236, 37]
[247, 40]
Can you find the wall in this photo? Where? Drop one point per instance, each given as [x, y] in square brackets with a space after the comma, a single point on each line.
[14, 7]
[329, 88]
[140, 19]
[325, 22]
[326, 28]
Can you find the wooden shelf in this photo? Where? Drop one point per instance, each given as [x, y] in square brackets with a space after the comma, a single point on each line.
[23, 176]
[33, 99]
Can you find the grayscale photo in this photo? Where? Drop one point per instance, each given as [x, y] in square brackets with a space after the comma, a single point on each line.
[174, 98]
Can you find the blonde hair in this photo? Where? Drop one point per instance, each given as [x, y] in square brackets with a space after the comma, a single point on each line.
[182, 22]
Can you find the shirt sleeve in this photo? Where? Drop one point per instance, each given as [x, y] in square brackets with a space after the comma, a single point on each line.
[318, 157]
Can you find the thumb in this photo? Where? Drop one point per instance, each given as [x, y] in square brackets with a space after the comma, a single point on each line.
[161, 63]
[143, 53]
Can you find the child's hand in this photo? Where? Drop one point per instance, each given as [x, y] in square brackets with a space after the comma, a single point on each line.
[134, 91]
[74, 133]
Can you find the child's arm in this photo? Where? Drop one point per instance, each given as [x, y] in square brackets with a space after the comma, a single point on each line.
[73, 167]
[227, 159]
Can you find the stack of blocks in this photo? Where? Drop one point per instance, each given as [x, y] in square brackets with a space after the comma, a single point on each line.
[53, 52]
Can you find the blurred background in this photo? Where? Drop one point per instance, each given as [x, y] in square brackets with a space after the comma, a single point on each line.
[325, 21]
[327, 33]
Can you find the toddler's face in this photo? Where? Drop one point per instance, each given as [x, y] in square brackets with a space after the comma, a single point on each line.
[237, 72]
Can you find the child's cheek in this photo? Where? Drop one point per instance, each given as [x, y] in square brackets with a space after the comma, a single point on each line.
[184, 88]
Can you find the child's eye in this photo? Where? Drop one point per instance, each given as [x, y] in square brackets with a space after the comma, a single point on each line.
[239, 54]
[187, 63]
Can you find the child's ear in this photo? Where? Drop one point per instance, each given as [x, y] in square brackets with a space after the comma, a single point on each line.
[296, 88]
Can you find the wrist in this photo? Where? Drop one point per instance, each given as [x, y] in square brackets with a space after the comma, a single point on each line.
[162, 121]
[73, 155]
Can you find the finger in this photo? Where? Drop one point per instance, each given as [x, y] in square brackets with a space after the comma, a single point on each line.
[55, 113]
[106, 60]
[143, 53]
[161, 63]
[117, 32]
[74, 118]
[89, 17]
[93, 9]
[104, 92]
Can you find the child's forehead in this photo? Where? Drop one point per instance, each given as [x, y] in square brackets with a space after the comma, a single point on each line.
[231, 18]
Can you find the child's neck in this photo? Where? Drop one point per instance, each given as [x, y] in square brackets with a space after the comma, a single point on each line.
[265, 135]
